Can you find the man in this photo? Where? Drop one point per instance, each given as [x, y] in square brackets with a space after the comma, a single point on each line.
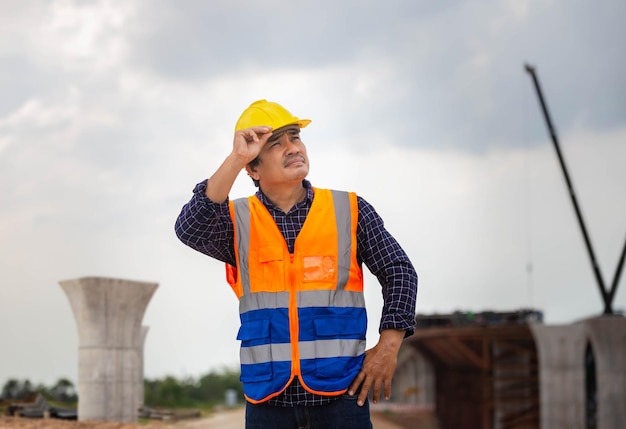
[294, 256]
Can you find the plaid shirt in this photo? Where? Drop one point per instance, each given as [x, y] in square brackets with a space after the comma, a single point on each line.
[206, 226]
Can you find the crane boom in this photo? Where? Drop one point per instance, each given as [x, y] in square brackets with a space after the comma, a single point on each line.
[607, 296]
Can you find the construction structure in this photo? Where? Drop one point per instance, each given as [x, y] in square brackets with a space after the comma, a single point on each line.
[484, 369]
[109, 314]
[509, 370]
[583, 373]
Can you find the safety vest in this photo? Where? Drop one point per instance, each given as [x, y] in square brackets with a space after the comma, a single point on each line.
[302, 314]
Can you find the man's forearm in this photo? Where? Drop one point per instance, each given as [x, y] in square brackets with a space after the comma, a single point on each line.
[218, 186]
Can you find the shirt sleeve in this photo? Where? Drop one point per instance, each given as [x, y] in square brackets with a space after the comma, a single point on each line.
[384, 257]
[206, 226]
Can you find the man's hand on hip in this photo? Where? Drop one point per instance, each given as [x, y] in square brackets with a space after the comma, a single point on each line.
[378, 367]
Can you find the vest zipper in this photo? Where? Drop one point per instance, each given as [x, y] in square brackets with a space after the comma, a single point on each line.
[293, 318]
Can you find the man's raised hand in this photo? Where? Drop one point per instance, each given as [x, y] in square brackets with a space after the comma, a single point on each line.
[247, 143]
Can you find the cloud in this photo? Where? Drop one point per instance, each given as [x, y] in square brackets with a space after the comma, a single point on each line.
[112, 112]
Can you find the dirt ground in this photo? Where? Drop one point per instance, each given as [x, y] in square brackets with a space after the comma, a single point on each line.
[27, 423]
[381, 419]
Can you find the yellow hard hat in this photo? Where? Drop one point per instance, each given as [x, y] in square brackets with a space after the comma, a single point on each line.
[268, 113]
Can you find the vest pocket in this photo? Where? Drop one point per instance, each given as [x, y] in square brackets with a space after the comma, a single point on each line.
[337, 345]
[272, 275]
[255, 352]
[256, 373]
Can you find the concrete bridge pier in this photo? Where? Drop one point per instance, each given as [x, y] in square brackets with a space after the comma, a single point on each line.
[561, 352]
[140, 373]
[567, 397]
[607, 335]
[108, 314]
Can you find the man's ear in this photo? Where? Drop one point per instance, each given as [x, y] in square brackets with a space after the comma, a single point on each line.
[252, 172]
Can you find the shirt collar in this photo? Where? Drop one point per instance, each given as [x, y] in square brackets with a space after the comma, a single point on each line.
[308, 199]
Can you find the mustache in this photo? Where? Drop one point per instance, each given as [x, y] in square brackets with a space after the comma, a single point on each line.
[291, 158]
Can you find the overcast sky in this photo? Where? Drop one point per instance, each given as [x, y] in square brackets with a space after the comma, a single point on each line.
[111, 112]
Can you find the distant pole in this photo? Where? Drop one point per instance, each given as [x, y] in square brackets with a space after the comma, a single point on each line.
[606, 298]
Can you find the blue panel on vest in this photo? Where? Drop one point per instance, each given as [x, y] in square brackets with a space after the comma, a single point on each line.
[261, 380]
[332, 322]
[332, 326]
[256, 372]
[330, 374]
[251, 330]
[277, 320]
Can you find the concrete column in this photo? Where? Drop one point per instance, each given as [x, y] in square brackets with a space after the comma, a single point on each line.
[140, 373]
[561, 351]
[608, 339]
[108, 314]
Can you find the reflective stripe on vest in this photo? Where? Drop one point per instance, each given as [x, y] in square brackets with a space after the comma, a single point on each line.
[328, 317]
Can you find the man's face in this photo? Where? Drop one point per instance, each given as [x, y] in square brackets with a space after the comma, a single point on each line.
[283, 159]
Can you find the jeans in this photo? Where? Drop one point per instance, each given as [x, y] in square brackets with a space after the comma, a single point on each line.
[342, 413]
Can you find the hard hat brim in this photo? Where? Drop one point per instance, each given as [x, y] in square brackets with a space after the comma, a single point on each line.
[302, 123]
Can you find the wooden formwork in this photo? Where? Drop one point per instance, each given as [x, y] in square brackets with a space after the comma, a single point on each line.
[485, 376]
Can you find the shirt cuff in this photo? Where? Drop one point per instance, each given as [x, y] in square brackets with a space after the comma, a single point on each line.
[200, 193]
[402, 322]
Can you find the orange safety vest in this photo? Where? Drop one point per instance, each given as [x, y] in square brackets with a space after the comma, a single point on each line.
[302, 314]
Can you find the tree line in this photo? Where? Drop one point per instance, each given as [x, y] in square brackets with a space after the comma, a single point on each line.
[204, 391]
[62, 391]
